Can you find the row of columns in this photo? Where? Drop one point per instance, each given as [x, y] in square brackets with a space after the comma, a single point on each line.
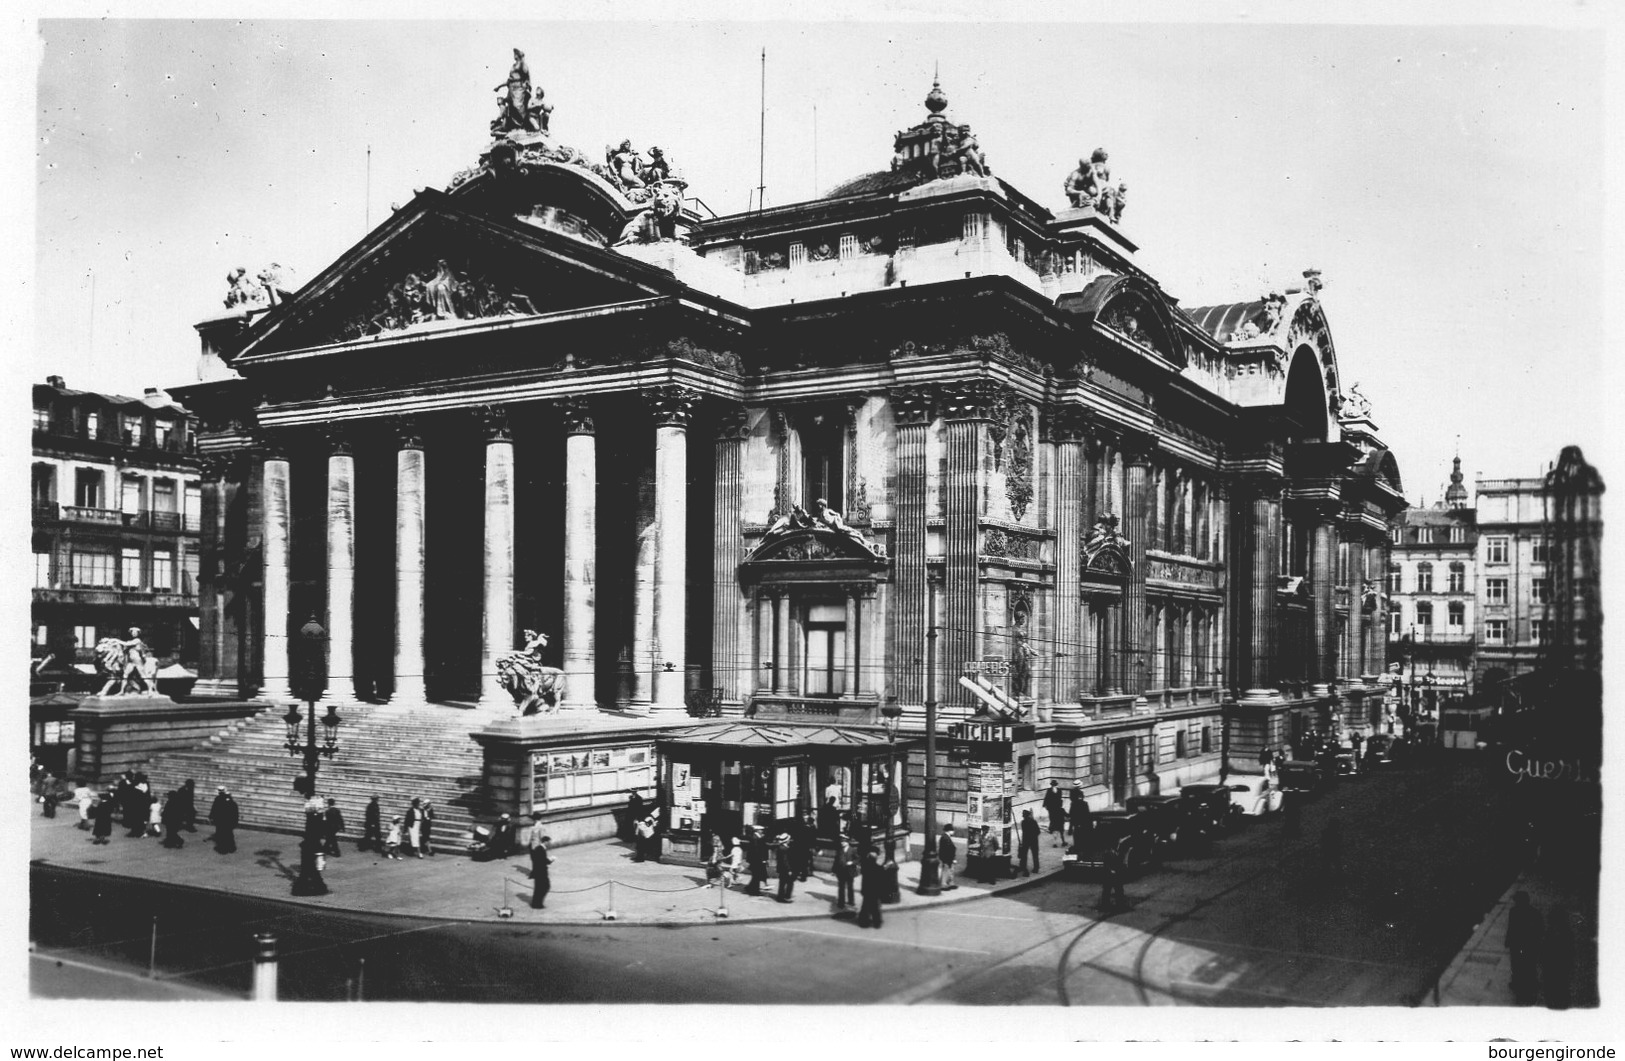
[672, 407]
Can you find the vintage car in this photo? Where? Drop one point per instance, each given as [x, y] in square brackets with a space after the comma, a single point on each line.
[1253, 795]
[1127, 831]
[1208, 807]
[1384, 749]
[1299, 776]
[1164, 814]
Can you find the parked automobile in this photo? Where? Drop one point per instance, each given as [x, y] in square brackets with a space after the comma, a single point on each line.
[1164, 814]
[1253, 796]
[1299, 776]
[1208, 807]
[1384, 749]
[1127, 831]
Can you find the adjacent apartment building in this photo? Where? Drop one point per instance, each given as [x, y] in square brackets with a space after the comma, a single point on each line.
[115, 527]
[1432, 588]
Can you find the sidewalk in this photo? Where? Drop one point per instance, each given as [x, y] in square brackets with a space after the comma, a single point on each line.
[1481, 975]
[590, 880]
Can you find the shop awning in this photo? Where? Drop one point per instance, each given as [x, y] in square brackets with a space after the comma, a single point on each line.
[752, 740]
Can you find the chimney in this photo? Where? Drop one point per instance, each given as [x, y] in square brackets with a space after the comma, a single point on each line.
[57, 381]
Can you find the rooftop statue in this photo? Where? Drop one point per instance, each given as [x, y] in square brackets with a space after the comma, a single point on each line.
[969, 153]
[656, 219]
[240, 290]
[520, 110]
[625, 166]
[1090, 185]
[1356, 403]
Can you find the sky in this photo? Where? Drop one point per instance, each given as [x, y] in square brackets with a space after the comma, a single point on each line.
[1447, 179]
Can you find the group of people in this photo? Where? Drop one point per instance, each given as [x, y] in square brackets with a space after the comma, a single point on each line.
[1064, 809]
[745, 858]
[133, 805]
[410, 833]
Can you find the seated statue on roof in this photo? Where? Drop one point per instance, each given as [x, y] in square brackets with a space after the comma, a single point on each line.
[1090, 186]
[969, 154]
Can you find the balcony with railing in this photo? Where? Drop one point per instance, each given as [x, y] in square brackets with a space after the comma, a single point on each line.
[108, 517]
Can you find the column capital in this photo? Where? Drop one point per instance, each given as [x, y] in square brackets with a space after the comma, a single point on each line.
[1137, 447]
[494, 424]
[575, 412]
[1067, 423]
[1320, 509]
[271, 445]
[971, 399]
[408, 432]
[672, 406]
[733, 423]
[214, 466]
[1263, 485]
[912, 406]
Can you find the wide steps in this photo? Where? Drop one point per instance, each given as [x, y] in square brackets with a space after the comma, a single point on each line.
[394, 752]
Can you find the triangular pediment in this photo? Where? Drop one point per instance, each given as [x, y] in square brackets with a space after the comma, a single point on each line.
[435, 265]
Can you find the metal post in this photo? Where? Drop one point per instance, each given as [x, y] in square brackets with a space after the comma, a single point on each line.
[361, 982]
[152, 952]
[264, 989]
[929, 884]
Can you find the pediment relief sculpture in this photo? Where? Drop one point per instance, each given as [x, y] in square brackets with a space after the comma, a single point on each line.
[818, 535]
[436, 293]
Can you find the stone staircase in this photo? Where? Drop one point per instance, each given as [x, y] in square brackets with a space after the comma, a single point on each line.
[394, 752]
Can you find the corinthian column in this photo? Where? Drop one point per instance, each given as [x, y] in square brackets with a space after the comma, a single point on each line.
[728, 550]
[276, 516]
[409, 554]
[1139, 629]
[912, 408]
[499, 530]
[673, 407]
[1266, 561]
[1322, 575]
[1066, 429]
[580, 552]
[340, 568]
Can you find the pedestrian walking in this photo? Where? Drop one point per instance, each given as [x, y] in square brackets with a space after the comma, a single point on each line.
[846, 868]
[643, 833]
[84, 799]
[947, 854]
[332, 826]
[413, 835]
[1029, 841]
[1080, 818]
[1525, 933]
[426, 827]
[633, 815]
[48, 798]
[756, 852]
[372, 827]
[1055, 807]
[155, 817]
[874, 889]
[540, 881]
[224, 815]
[172, 822]
[1111, 882]
[801, 846]
[392, 839]
[186, 810]
[102, 818]
[735, 866]
[1557, 960]
[785, 857]
[137, 811]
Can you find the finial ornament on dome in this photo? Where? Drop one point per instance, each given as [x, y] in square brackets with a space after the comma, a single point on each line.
[936, 101]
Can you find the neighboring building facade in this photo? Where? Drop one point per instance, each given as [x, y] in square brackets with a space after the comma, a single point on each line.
[1433, 592]
[767, 465]
[115, 492]
[1539, 549]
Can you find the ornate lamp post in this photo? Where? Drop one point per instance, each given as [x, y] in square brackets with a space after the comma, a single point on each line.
[930, 882]
[309, 681]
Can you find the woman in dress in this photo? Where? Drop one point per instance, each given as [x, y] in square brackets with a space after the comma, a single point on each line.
[414, 827]
[426, 826]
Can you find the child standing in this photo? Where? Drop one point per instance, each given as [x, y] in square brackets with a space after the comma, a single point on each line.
[392, 839]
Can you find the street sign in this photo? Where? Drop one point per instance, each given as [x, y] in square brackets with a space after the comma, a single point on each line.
[992, 668]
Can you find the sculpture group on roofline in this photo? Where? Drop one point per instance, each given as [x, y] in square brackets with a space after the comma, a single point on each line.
[520, 108]
[260, 291]
[1090, 185]
[823, 518]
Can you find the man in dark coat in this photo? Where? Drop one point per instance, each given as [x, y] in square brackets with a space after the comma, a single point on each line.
[332, 826]
[756, 855]
[846, 868]
[874, 889]
[1081, 818]
[801, 848]
[185, 799]
[372, 827]
[101, 816]
[1055, 807]
[1524, 934]
[784, 853]
[634, 814]
[223, 814]
[541, 879]
[171, 818]
[1029, 841]
[1111, 881]
[947, 855]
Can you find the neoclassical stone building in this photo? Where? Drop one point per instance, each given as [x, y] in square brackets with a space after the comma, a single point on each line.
[745, 465]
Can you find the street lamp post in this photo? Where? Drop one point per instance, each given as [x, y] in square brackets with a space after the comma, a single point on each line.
[929, 881]
[309, 681]
[891, 716]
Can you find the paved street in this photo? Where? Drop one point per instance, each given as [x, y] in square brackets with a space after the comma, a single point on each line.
[1256, 921]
